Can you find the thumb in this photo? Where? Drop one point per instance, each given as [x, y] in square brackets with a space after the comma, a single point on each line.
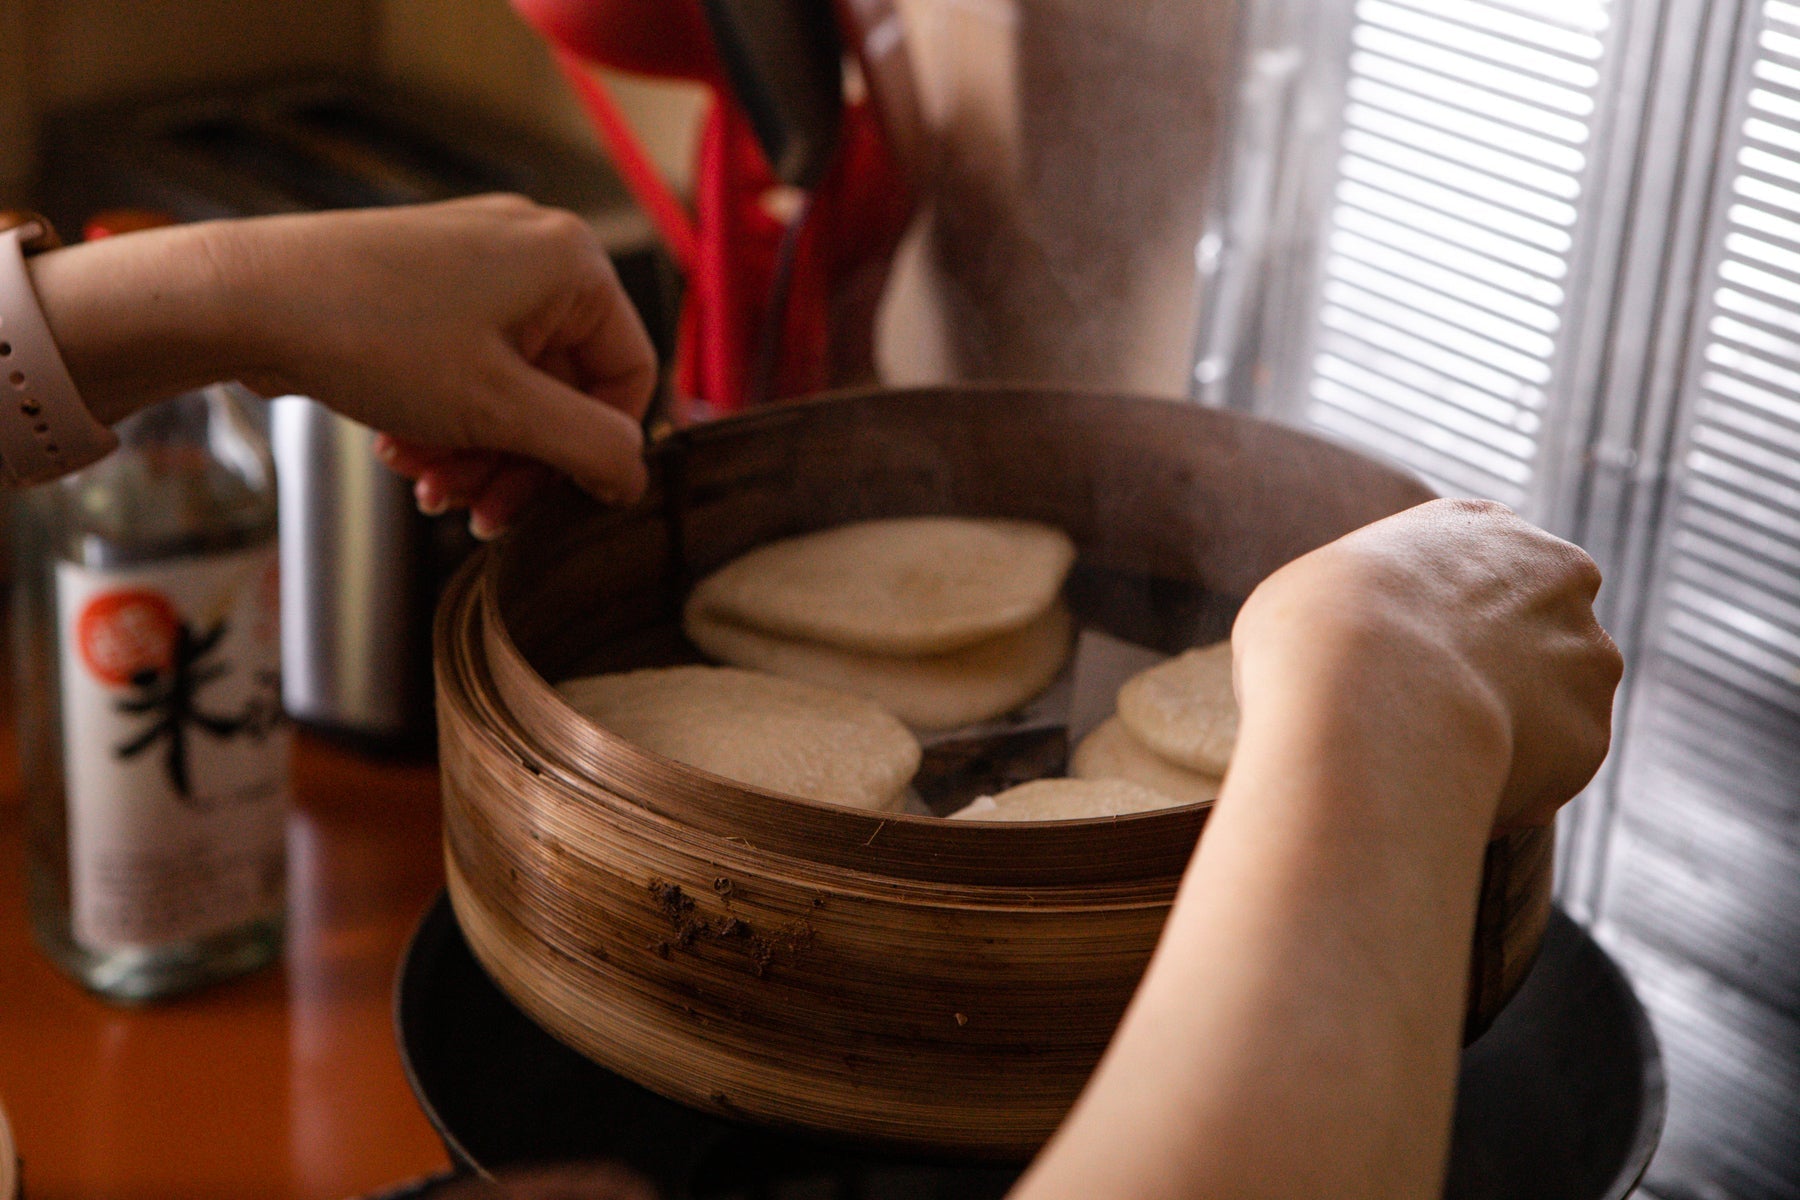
[590, 441]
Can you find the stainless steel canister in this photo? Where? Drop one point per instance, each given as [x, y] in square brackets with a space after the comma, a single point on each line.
[359, 573]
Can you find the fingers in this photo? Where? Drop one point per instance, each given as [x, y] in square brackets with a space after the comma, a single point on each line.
[442, 479]
[1550, 768]
[616, 362]
[504, 497]
[526, 345]
[597, 445]
[494, 487]
[1563, 725]
[542, 419]
[457, 480]
[1456, 590]
[408, 458]
[590, 335]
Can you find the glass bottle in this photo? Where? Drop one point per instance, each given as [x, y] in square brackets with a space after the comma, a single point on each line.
[151, 742]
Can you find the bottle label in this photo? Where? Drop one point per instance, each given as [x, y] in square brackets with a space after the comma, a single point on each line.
[174, 747]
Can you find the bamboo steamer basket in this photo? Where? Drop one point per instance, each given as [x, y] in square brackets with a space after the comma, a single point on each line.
[943, 987]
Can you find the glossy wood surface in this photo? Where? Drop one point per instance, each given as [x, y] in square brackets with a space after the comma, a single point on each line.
[285, 1083]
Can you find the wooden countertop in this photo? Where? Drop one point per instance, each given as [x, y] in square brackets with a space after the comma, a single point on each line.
[285, 1083]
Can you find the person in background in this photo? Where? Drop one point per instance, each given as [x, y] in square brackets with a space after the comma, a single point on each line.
[1406, 691]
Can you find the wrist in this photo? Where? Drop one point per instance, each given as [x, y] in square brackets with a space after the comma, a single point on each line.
[1385, 730]
[243, 321]
[139, 317]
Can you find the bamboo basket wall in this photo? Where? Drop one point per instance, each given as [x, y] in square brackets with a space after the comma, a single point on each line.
[937, 986]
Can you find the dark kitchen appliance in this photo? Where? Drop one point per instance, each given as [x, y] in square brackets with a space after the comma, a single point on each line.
[360, 567]
[1560, 1100]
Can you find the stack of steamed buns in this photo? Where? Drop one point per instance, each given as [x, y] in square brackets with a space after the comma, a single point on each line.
[840, 644]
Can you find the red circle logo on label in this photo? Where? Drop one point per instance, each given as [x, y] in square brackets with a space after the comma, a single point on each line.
[122, 633]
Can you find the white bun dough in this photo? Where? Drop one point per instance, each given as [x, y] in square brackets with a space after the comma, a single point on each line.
[934, 691]
[1063, 800]
[778, 734]
[1183, 710]
[906, 586]
[1110, 752]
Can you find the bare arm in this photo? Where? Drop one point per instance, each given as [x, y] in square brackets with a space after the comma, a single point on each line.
[488, 336]
[1404, 691]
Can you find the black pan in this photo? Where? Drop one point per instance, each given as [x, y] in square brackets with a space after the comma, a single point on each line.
[1562, 1099]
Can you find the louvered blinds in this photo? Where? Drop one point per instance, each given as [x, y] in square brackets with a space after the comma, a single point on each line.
[1444, 301]
[1732, 598]
[1700, 892]
[1550, 254]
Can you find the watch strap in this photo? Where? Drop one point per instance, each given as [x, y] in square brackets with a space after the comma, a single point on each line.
[45, 428]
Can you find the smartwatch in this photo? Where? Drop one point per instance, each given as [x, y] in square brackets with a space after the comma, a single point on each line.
[45, 428]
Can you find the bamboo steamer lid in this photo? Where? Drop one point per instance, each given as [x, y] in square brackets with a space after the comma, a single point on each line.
[931, 985]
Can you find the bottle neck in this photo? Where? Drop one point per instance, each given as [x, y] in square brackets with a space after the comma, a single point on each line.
[192, 475]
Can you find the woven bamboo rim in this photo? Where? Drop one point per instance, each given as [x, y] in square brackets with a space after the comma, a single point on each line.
[931, 985]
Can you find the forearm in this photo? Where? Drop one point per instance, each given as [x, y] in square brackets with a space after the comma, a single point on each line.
[475, 333]
[142, 317]
[1297, 1032]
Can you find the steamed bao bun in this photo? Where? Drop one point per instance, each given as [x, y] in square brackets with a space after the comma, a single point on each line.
[1170, 742]
[945, 621]
[933, 691]
[1184, 710]
[1063, 800]
[757, 729]
[902, 586]
[1111, 752]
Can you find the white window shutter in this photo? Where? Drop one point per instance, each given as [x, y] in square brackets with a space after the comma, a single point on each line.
[1549, 253]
